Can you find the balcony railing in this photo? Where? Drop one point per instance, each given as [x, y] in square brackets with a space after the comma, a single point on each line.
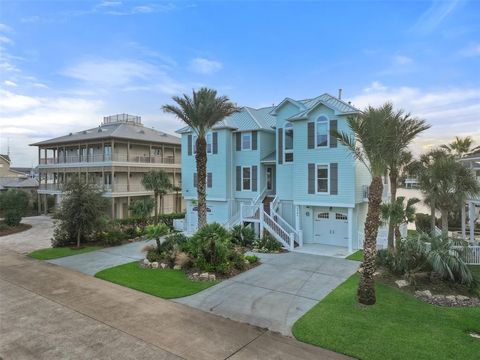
[154, 159]
[116, 188]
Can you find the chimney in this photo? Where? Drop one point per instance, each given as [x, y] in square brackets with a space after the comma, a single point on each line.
[340, 94]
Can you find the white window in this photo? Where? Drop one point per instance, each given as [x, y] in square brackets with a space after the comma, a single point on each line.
[246, 178]
[323, 215]
[339, 216]
[288, 142]
[322, 131]
[246, 141]
[322, 179]
[209, 143]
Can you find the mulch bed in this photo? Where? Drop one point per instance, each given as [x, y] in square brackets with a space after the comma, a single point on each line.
[14, 229]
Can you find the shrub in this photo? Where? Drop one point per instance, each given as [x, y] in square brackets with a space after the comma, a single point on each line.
[243, 235]
[156, 232]
[14, 204]
[166, 219]
[267, 244]
[252, 259]
[422, 222]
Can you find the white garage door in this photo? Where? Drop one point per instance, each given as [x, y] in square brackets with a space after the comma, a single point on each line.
[331, 228]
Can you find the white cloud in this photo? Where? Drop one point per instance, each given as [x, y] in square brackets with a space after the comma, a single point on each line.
[434, 15]
[9, 83]
[471, 51]
[109, 3]
[451, 111]
[15, 102]
[401, 60]
[5, 28]
[5, 40]
[205, 66]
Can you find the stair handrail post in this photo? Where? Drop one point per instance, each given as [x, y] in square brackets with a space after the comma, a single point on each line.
[292, 241]
[300, 237]
[241, 213]
[262, 219]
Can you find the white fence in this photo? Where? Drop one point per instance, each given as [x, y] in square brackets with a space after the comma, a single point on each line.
[382, 236]
[472, 255]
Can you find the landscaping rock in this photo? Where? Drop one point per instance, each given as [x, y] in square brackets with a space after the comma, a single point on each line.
[163, 265]
[177, 267]
[424, 293]
[438, 298]
[195, 275]
[203, 276]
[462, 298]
[212, 277]
[146, 262]
[448, 300]
[451, 298]
[154, 265]
[402, 283]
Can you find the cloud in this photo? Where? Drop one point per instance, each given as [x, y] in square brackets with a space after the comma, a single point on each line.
[5, 40]
[438, 11]
[9, 83]
[15, 102]
[109, 3]
[451, 111]
[471, 51]
[401, 60]
[5, 28]
[205, 66]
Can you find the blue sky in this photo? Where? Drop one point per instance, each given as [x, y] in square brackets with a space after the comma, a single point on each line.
[65, 64]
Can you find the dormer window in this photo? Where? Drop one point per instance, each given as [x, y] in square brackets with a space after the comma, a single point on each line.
[322, 132]
[288, 142]
[246, 141]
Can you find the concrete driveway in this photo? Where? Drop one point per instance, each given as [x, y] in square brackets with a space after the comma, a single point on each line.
[276, 293]
[38, 237]
[95, 261]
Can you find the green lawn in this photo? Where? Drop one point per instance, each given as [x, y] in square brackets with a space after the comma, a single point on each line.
[357, 256]
[397, 327]
[54, 253]
[167, 283]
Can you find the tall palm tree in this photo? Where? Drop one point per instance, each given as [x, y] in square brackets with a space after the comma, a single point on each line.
[406, 129]
[460, 147]
[397, 213]
[370, 137]
[157, 181]
[178, 204]
[201, 112]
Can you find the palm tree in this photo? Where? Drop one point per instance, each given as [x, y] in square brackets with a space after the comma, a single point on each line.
[201, 112]
[406, 128]
[157, 181]
[398, 213]
[369, 140]
[460, 147]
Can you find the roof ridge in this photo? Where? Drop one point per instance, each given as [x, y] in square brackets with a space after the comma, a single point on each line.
[253, 117]
[342, 101]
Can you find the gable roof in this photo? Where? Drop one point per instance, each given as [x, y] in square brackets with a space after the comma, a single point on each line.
[6, 157]
[339, 106]
[121, 130]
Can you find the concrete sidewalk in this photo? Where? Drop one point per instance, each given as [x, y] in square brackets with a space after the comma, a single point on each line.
[277, 293]
[92, 262]
[49, 312]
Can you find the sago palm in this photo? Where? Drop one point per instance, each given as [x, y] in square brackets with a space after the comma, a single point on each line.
[369, 140]
[157, 181]
[201, 113]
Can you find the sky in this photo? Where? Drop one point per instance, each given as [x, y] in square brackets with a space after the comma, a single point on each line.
[66, 64]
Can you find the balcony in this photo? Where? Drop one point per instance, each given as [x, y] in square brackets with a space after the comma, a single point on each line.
[92, 159]
[108, 188]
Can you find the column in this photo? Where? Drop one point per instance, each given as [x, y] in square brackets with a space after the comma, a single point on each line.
[464, 220]
[128, 151]
[471, 216]
[113, 208]
[45, 204]
[350, 229]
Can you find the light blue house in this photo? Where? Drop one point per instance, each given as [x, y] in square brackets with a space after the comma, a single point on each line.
[279, 169]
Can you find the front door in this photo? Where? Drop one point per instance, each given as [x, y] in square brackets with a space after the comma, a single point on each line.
[269, 178]
[331, 227]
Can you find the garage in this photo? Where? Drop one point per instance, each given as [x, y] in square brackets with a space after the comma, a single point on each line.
[330, 227]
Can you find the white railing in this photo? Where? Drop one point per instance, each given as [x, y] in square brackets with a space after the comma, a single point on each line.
[234, 220]
[472, 254]
[382, 236]
[260, 196]
[274, 204]
[278, 232]
[249, 213]
[297, 234]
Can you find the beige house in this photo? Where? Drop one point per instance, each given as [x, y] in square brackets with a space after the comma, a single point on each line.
[6, 171]
[114, 156]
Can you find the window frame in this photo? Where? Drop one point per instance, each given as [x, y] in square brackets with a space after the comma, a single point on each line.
[250, 178]
[242, 134]
[209, 141]
[323, 166]
[327, 121]
[287, 127]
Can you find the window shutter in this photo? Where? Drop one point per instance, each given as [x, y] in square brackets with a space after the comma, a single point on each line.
[239, 141]
[254, 178]
[311, 135]
[254, 140]
[311, 178]
[280, 145]
[334, 178]
[209, 179]
[239, 178]
[189, 144]
[215, 142]
[333, 139]
[195, 180]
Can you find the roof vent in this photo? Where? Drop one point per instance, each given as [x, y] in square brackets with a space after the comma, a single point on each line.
[141, 131]
[70, 134]
[85, 131]
[99, 129]
[340, 94]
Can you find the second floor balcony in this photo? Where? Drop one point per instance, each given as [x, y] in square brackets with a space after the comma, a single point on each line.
[102, 158]
[106, 188]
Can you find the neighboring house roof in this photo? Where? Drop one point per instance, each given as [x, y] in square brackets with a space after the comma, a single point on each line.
[473, 156]
[264, 118]
[270, 158]
[6, 157]
[22, 170]
[121, 130]
[8, 183]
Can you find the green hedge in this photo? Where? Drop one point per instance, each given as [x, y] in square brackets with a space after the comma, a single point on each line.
[166, 219]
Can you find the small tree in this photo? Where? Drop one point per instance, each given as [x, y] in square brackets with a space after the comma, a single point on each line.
[81, 214]
[13, 204]
[156, 232]
[141, 209]
[398, 213]
[158, 182]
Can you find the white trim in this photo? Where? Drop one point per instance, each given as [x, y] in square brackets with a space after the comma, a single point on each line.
[316, 179]
[322, 204]
[289, 151]
[241, 140]
[328, 132]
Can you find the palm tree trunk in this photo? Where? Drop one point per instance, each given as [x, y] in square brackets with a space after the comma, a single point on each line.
[156, 207]
[432, 217]
[366, 286]
[393, 197]
[444, 213]
[201, 159]
[79, 235]
[398, 236]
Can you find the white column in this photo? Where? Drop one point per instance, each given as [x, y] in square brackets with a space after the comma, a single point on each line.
[464, 219]
[350, 229]
[298, 225]
[261, 212]
[471, 215]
